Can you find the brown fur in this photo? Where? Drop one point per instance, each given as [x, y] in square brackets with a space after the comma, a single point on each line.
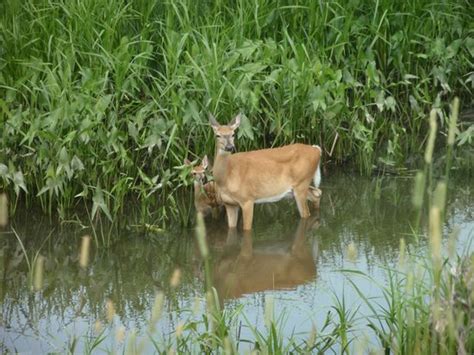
[205, 196]
[243, 178]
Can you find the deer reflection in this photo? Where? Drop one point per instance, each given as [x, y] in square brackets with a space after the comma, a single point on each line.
[265, 265]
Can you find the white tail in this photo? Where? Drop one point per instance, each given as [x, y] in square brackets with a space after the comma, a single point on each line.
[317, 175]
[266, 175]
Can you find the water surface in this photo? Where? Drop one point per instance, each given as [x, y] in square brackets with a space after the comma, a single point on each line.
[296, 264]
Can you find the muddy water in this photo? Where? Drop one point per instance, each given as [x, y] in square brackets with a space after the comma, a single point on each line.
[296, 265]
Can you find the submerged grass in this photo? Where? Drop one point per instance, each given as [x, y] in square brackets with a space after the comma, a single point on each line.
[101, 100]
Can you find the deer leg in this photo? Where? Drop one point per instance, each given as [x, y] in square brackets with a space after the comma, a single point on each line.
[314, 196]
[247, 213]
[301, 194]
[232, 215]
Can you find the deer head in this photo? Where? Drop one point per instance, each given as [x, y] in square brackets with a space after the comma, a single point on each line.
[198, 171]
[225, 134]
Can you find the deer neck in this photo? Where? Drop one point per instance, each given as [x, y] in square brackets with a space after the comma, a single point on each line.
[197, 188]
[221, 163]
[197, 193]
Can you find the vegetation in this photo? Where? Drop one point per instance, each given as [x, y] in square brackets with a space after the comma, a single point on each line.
[427, 303]
[100, 101]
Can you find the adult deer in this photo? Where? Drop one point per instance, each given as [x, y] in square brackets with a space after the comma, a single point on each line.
[265, 175]
[205, 196]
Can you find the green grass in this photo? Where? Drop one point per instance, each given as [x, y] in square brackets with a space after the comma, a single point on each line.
[426, 307]
[100, 101]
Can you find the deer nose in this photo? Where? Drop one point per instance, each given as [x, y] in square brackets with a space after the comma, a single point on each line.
[229, 148]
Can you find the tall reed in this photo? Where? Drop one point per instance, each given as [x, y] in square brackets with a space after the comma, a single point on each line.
[101, 100]
[429, 304]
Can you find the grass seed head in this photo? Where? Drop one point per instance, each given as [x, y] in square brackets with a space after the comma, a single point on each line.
[85, 250]
[3, 210]
[98, 327]
[440, 195]
[431, 137]
[401, 258]
[109, 310]
[179, 329]
[435, 235]
[453, 120]
[352, 252]
[120, 334]
[175, 278]
[418, 190]
[39, 270]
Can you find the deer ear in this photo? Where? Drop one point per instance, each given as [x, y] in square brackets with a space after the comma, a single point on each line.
[187, 162]
[213, 121]
[205, 162]
[235, 122]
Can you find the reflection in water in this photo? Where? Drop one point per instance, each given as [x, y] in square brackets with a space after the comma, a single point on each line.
[373, 214]
[271, 265]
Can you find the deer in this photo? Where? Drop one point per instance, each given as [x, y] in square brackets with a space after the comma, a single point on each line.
[205, 196]
[266, 175]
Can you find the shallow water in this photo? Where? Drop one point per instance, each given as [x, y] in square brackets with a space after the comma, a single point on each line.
[291, 264]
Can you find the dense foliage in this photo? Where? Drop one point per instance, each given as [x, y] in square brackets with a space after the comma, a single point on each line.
[101, 100]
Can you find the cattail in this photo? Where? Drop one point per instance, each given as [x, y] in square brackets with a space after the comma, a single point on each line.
[201, 236]
[352, 252]
[85, 248]
[431, 137]
[3, 210]
[418, 190]
[175, 278]
[109, 310]
[453, 121]
[39, 269]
